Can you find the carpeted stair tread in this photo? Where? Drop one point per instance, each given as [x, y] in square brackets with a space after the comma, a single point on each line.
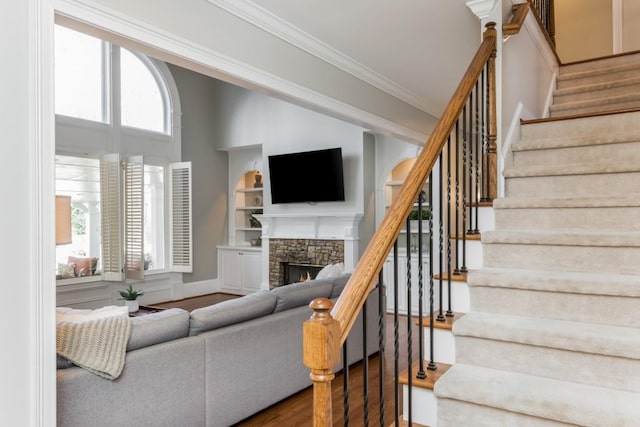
[576, 141]
[564, 238]
[605, 69]
[609, 340]
[523, 202]
[597, 124]
[596, 86]
[627, 285]
[602, 102]
[562, 401]
[571, 169]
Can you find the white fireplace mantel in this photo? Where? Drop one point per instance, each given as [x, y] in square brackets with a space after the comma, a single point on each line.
[310, 226]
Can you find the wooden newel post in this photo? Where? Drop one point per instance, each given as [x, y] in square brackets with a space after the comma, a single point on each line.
[493, 124]
[321, 353]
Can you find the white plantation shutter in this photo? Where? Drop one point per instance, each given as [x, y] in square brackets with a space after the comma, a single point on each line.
[134, 217]
[180, 217]
[112, 220]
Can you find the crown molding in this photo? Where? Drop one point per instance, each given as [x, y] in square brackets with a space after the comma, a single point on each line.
[482, 8]
[273, 24]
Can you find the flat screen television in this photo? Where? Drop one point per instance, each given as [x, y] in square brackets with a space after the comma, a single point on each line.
[309, 176]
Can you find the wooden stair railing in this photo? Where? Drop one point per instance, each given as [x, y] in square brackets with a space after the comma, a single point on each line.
[519, 11]
[328, 328]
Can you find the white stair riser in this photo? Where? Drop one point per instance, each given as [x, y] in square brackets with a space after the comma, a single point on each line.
[473, 254]
[610, 218]
[597, 93]
[563, 83]
[444, 346]
[624, 123]
[606, 371]
[605, 309]
[486, 219]
[573, 185]
[456, 413]
[627, 151]
[565, 258]
[604, 106]
[424, 405]
[460, 302]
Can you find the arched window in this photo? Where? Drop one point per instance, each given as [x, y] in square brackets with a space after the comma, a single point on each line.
[142, 94]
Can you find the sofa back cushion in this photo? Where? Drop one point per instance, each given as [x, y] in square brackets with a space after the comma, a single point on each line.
[302, 293]
[231, 311]
[155, 328]
[339, 284]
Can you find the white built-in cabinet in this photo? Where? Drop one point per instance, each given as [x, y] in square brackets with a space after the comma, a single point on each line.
[240, 269]
[248, 202]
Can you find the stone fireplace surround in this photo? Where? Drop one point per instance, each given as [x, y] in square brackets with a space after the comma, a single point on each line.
[301, 251]
[319, 239]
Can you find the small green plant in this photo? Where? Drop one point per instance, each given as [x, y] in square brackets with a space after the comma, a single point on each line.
[130, 294]
[426, 214]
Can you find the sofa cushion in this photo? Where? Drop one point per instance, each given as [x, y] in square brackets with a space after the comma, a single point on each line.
[302, 293]
[232, 311]
[339, 284]
[158, 327]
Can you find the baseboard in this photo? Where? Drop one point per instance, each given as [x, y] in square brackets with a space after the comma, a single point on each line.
[203, 287]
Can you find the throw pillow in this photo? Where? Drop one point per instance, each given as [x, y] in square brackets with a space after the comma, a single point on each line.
[66, 271]
[85, 266]
[330, 270]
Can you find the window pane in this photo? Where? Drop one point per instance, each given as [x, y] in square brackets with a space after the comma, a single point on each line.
[153, 217]
[79, 178]
[142, 101]
[78, 75]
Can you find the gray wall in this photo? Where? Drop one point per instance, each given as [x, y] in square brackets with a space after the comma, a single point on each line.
[210, 170]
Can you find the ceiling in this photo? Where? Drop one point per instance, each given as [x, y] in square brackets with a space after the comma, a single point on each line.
[403, 47]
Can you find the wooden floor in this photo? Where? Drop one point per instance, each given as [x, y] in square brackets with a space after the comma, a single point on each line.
[297, 409]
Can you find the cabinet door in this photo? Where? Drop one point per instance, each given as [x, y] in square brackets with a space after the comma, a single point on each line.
[230, 271]
[251, 271]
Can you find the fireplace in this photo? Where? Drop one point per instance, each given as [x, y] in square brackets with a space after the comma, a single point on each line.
[295, 272]
[315, 253]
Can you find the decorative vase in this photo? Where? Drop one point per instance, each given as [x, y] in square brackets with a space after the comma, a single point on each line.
[132, 305]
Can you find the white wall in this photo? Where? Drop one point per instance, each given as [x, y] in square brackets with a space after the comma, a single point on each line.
[248, 118]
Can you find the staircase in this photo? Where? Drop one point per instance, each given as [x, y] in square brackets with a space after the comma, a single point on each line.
[553, 335]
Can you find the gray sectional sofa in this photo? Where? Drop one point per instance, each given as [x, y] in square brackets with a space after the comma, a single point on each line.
[214, 366]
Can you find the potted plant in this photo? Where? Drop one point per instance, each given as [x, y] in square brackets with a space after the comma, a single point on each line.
[130, 297]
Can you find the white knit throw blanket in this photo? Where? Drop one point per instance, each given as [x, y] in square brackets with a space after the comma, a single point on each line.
[96, 341]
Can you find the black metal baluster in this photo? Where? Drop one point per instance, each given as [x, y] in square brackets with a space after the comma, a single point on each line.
[432, 364]
[463, 268]
[448, 234]
[345, 384]
[484, 190]
[457, 216]
[440, 317]
[365, 366]
[476, 191]
[473, 223]
[396, 338]
[381, 347]
[471, 139]
[421, 374]
[409, 329]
